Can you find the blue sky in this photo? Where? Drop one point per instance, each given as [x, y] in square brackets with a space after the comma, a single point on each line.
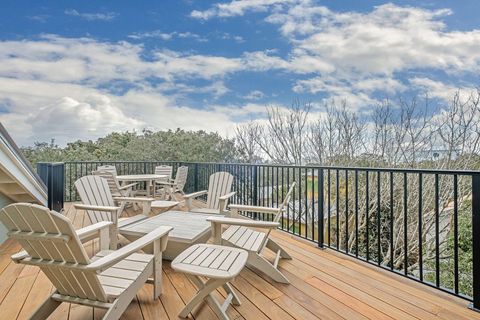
[80, 69]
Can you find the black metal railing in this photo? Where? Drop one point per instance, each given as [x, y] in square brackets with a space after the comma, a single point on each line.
[422, 224]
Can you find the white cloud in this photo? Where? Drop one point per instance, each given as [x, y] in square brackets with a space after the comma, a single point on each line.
[94, 117]
[441, 90]
[255, 95]
[347, 55]
[261, 61]
[54, 58]
[42, 18]
[357, 54]
[39, 111]
[157, 34]
[166, 36]
[108, 16]
[237, 8]
[386, 40]
[216, 88]
[382, 84]
[54, 80]
[228, 36]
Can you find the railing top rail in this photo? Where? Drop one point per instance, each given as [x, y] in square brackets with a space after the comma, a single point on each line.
[374, 169]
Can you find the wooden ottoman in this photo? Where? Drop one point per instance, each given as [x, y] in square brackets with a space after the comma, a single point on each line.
[219, 264]
[188, 229]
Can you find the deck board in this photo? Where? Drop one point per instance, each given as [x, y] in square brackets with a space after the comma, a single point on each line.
[324, 285]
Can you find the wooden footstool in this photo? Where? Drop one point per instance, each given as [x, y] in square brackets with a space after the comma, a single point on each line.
[220, 265]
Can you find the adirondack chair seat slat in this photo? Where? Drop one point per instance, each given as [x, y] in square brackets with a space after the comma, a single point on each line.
[131, 263]
[115, 280]
[245, 238]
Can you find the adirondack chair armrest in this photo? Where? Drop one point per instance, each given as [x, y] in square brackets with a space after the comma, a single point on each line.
[245, 208]
[223, 200]
[189, 198]
[146, 206]
[19, 256]
[243, 222]
[227, 196]
[131, 185]
[92, 231]
[96, 208]
[167, 183]
[195, 194]
[118, 255]
[134, 199]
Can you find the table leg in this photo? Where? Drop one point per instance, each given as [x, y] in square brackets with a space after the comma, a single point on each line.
[205, 290]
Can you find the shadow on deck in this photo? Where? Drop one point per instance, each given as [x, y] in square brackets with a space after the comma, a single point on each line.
[324, 285]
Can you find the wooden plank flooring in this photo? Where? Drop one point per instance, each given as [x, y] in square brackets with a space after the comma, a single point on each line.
[324, 285]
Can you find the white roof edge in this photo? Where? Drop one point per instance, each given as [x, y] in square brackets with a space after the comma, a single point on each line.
[19, 169]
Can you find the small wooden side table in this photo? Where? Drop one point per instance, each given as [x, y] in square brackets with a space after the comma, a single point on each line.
[220, 265]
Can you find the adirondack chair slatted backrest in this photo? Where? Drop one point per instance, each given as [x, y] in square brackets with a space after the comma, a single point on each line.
[94, 190]
[108, 168]
[284, 205]
[49, 236]
[219, 184]
[164, 170]
[181, 177]
[111, 180]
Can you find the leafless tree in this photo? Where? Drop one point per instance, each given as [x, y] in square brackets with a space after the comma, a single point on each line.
[282, 139]
[246, 137]
[337, 136]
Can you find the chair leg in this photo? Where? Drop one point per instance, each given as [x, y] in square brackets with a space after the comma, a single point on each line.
[45, 309]
[157, 269]
[275, 247]
[262, 264]
[188, 202]
[113, 235]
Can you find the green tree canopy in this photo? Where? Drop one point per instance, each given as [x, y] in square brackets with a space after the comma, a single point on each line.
[178, 145]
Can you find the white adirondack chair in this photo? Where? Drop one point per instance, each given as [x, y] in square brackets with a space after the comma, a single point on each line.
[171, 186]
[115, 188]
[108, 168]
[110, 280]
[240, 235]
[165, 171]
[99, 203]
[218, 193]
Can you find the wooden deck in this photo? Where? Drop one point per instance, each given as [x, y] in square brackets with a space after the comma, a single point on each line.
[325, 285]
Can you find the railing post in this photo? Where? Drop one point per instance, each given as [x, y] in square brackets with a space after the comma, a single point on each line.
[321, 208]
[476, 240]
[53, 175]
[195, 177]
[255, 188]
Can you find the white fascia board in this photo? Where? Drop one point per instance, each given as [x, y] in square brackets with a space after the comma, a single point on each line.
[16, 169]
